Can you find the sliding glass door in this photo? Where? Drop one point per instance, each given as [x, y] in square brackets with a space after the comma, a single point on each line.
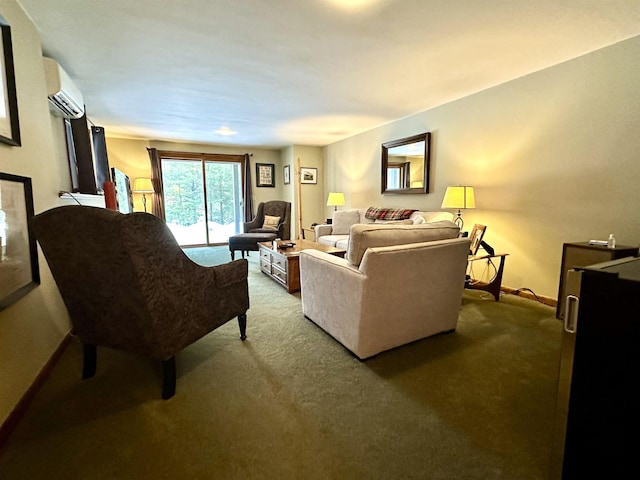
[203, 199]
[224, 200]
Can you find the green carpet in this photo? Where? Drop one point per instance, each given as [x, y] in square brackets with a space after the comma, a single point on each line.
[292, 403]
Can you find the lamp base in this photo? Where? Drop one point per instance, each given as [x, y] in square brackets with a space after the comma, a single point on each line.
[458, 220]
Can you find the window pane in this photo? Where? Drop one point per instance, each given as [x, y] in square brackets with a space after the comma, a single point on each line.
[184, 200]
[224, 194]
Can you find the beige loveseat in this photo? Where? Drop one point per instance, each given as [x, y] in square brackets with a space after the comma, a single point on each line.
[400, 283]
[337, 233]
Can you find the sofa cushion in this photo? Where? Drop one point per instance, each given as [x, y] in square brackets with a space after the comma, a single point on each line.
[343, 244]
[394, 222]
[343, 219]
[332, 240]
[375, 235]
[431, 216]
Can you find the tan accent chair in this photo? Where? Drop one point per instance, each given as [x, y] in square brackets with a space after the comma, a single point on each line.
[397, 284]
[129, 286]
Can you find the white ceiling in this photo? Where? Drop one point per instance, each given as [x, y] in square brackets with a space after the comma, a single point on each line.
[307, 72]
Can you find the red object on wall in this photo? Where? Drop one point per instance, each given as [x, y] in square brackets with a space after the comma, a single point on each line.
[110, 195]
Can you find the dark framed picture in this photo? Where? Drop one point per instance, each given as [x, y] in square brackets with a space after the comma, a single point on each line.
[287, 174]
[265, 175]
[308, 175]
[9, 124]
[19, 272]
[476, 238]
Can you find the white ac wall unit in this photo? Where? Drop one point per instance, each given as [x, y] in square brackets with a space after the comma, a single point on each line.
[64, 97]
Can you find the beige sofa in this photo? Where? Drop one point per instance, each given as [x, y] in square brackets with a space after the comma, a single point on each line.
[400, 283]
[337, 233]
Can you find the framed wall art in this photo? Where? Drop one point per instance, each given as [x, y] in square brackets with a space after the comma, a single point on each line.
[265, 175]
[308, 175]
[9, 124]
[19, 272]
[287, 174]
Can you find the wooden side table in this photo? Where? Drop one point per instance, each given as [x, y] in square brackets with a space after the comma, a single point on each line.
[493, 285]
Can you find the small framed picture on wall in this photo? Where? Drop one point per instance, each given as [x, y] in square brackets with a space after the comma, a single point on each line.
[308, 175]
[287, 174]
[265, 175]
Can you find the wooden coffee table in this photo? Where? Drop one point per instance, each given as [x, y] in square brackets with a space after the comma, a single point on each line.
[283, 264]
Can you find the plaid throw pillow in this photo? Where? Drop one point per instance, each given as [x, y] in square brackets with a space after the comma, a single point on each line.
[380, 213]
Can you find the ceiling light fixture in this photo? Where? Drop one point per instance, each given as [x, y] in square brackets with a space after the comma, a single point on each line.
[226, 131]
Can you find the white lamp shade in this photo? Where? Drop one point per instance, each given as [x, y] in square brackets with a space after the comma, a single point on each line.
[335, 199]
[142, 185]
[460, 196]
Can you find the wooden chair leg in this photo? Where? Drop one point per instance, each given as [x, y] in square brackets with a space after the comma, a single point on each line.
[168, 378]
[90, 356]
[242, 322]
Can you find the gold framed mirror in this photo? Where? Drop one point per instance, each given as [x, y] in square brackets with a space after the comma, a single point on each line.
[405, 165]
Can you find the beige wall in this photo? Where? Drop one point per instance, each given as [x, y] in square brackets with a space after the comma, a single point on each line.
[32, 328]
[554, 157]
[306, 197]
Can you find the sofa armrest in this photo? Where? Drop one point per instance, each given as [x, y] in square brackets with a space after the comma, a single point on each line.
[322, 230]
[321, 276]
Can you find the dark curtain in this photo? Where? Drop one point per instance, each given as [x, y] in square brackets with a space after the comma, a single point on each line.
[248, 191]
[406, 181]
[157, 205]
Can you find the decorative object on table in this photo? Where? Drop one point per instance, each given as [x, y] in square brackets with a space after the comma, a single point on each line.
[9, 123]
[476, 238]
[112, 270]
[287, 174]
[308, 175]
[335, 200]
[143, 186]
[459, 197]
[265, 175]
[19, 272]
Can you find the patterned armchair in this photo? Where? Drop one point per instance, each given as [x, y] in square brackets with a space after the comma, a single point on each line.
[128, 285]
[274, 208]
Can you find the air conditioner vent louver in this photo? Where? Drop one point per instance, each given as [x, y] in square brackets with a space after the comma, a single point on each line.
[64, 96]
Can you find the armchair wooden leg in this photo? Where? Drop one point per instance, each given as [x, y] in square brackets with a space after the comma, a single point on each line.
[242, 321]
[168, 378]
[89, 361]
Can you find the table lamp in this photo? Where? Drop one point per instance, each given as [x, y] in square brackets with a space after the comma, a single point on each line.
[459, 197]
[143, 186]
[335, 200]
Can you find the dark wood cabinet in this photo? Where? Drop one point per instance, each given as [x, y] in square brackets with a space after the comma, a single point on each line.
[582, 254]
